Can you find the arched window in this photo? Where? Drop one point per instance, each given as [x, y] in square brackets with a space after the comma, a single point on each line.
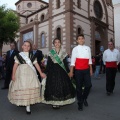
[78, 3]
[58, 4]
[98, 9]
[79, 31]
[42, 18]
[58, 33]
[19, 7]
[42, 40]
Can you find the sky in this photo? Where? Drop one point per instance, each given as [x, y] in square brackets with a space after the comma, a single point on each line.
[11, 3]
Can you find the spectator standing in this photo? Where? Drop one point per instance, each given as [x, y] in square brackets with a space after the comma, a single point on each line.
[93, 63]
[9, 64]
[1, 68]
[97, 65]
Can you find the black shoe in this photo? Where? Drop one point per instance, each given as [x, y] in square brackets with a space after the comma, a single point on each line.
[4, 88]
[28, 113]
[108, 93]
[85, 103]
[80, 107]
[111, 92]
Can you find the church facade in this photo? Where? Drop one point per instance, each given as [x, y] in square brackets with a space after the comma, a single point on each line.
[117, 25]
[41, 22]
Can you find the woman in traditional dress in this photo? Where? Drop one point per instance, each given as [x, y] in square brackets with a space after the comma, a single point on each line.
[24, 88]
[57, 88]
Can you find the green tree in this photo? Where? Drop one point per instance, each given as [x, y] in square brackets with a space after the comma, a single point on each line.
[9, 25]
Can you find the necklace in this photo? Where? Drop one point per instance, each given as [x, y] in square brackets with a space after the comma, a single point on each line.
[57, 51]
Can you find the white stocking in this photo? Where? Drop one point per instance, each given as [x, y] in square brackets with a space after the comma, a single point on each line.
[28, 108]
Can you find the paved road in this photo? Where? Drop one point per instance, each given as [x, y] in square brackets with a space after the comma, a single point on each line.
[101, 106]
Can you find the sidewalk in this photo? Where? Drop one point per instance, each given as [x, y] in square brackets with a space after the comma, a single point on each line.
[101, 106]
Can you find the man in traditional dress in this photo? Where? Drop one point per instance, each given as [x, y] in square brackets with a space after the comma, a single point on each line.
[111, 58]
[81, 60]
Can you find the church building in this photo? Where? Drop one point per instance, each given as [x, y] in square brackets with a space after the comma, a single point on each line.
[41, 22]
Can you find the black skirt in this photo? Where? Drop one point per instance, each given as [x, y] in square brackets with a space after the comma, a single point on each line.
[58, 84]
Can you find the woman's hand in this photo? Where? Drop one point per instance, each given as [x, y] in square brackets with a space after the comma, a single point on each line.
[13, 78]
[43, 75]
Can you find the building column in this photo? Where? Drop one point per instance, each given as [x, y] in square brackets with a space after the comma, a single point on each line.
[50, 24]
[69, 22]
[106, 39]
[35, 33]
[92, 36]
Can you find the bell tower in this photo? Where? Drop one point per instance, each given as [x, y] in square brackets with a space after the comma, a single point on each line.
[26, 7]
[61, 22]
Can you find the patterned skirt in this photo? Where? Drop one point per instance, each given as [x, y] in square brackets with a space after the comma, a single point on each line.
[57, 88]
[25, 90]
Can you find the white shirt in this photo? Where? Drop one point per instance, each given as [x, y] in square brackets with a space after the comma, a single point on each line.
[81, 51]
[111, 55]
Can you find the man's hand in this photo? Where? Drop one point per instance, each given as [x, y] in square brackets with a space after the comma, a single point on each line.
[91, 72]
[70, 74]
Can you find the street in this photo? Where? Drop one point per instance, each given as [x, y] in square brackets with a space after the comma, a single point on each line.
[101, 106]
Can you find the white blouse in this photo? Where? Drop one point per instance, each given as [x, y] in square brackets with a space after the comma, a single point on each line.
[27, 54]
[81, 51]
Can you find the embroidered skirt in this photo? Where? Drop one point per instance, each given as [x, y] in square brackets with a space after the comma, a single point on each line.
[25, 90]
[57, 88]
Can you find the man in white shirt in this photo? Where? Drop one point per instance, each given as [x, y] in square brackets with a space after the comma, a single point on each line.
[81, 60]
[111, 58]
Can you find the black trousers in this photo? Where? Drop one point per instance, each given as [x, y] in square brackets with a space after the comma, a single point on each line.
[110, 79]
[1, 72]
[82, 78]
[8, 78]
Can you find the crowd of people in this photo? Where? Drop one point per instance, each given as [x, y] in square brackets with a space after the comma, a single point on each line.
[34, 78]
